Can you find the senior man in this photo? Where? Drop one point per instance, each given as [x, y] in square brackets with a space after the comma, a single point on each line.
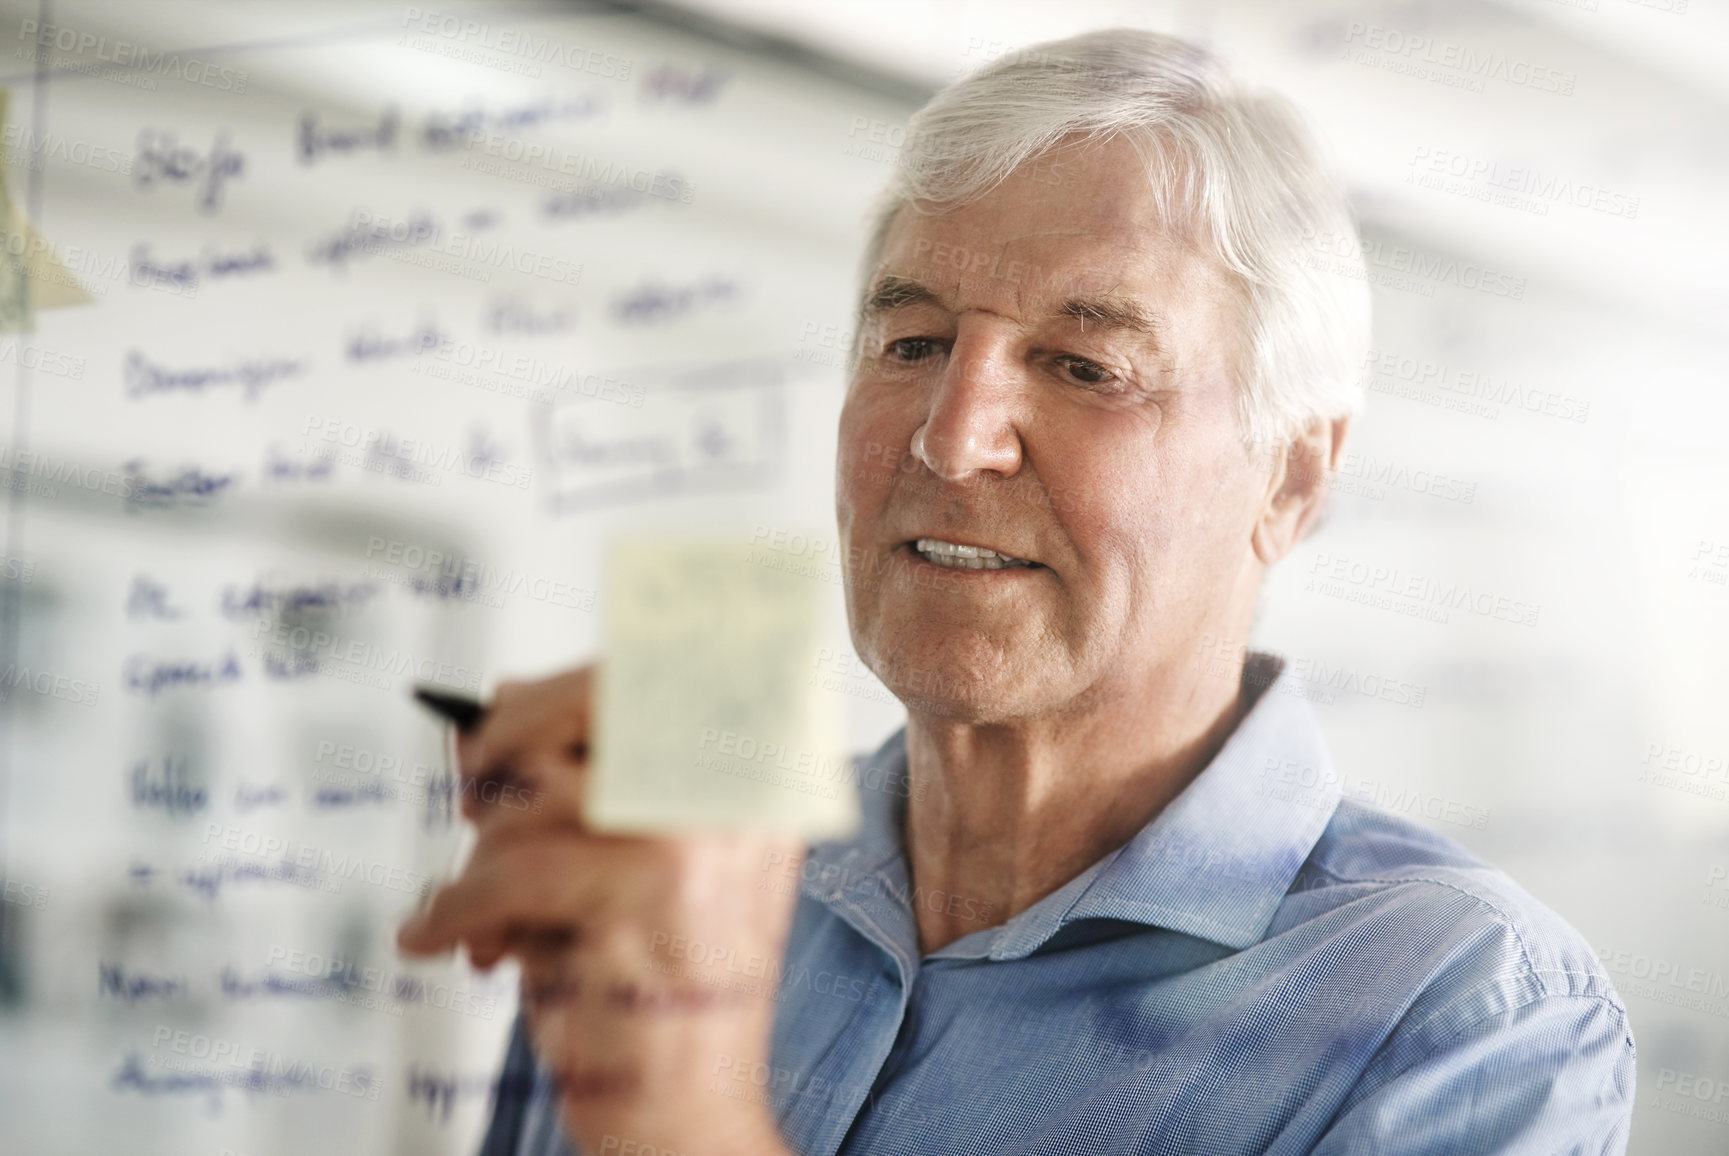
[1098, 383]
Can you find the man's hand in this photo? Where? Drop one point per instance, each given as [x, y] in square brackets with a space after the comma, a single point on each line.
[647, 962]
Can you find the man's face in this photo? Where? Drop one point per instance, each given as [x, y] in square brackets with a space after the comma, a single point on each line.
[1049, 374]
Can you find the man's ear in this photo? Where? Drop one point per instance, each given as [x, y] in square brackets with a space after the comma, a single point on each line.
[1297, 488]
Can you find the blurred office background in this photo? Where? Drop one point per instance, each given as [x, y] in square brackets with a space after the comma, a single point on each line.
[391, 314]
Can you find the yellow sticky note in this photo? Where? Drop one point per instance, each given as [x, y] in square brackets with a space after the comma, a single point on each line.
[708, 714]
[31, 277]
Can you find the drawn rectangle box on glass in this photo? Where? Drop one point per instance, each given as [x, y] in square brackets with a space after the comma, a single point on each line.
[719, 427]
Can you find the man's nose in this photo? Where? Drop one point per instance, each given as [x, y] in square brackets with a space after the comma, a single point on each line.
[971, 424]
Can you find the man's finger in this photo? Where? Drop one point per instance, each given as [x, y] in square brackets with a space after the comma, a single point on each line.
[543, 790]
[531, 752]
[526, 718]
[531, 879]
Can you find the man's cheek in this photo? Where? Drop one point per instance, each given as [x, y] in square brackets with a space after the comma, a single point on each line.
[867, 470]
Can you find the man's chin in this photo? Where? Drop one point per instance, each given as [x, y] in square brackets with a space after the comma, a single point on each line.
[958, 693]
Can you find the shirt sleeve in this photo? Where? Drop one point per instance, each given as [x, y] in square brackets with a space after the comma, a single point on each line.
[525, 1120]
[515, 1084]
[1552, 1076]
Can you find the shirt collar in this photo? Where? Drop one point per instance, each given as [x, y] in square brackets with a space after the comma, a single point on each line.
[1215, 863]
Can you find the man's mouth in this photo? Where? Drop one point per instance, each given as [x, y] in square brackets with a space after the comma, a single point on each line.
[956, 556]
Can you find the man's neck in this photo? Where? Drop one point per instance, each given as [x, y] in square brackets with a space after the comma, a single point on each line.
[1003, 815]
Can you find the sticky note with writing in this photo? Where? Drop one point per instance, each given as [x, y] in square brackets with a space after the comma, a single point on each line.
[706, 711]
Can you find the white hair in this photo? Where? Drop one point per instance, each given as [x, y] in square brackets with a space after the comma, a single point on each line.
[1232, 169]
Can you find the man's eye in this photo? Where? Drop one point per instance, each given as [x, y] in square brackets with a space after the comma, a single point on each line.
[1084, 371]
[913, 348]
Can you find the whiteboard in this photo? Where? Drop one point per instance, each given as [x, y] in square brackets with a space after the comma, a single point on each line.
[395, 316]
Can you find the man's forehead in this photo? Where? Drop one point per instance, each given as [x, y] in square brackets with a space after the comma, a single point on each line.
[1123, 282]
[1100, 191]
[1080, 254]
[1030, 266]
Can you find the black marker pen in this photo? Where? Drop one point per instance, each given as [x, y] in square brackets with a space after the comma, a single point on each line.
[466, 713]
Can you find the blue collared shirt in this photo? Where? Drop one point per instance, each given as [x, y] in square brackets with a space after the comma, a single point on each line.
[1266, 967]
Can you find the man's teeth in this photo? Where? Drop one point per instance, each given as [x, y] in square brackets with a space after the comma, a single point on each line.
[955, 555]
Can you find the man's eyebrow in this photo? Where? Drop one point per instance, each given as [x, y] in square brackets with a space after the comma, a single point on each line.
[891, 292]
[1110, 313]
[1107, 312]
